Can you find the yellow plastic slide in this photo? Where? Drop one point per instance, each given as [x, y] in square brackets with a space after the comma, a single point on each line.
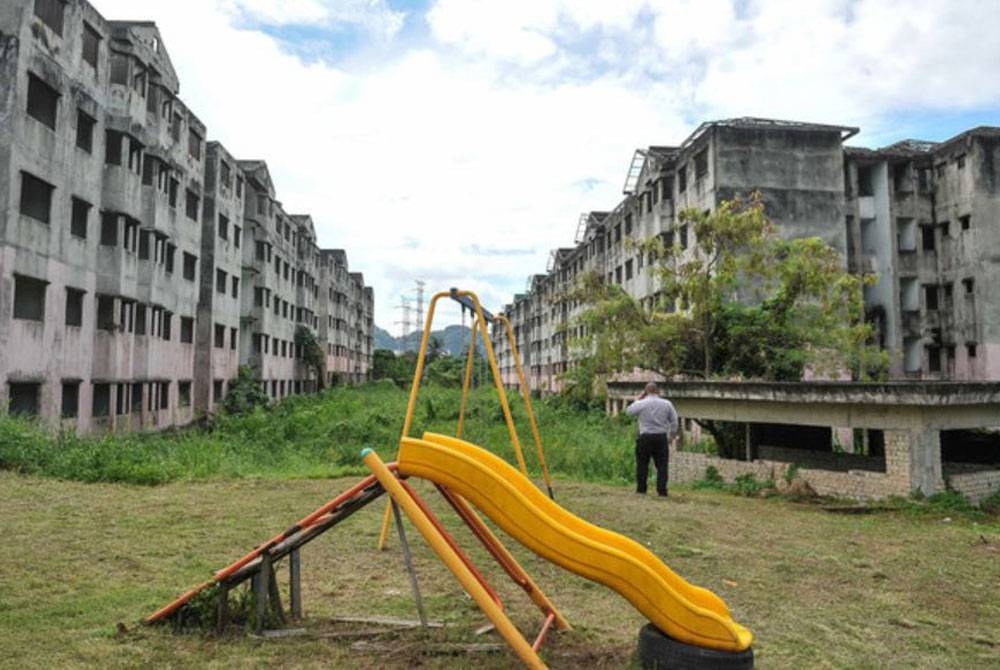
[681, 610]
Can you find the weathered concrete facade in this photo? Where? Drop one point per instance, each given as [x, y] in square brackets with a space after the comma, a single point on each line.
[917, 215]
[128, 267]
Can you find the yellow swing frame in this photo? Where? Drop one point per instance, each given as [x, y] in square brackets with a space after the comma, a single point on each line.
[469, 300]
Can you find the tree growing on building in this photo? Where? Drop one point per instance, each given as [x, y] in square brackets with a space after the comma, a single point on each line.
[740, 302]
[312, 354]
[245, 393]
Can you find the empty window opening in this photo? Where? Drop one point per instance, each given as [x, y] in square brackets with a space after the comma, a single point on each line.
[109, 229]
[682, 179]
[91, 44]
[960, 161]
[171, 251]
[220, 336]
[70, 399]
[101, 405]
[43, 101]
[172, 192]
[29, 298]
[119, 69]
[927, 238]
[105, 312]
[113, 141]
[78, 220]
[865, 181]
[144, 237]
[934, 359]
[969, 284]
[220, 281]
[165, 394]
[237, 232]
[236, 287]
[23, 398]
[233, 338]
[140, 319]
[223, 227]
[51, 13]
[190, 263]
[194, 144]
[931, 297]
[701, 164]
[965, 222]
[74, 306]
[184, 394]
[970, 349]
[36, 198]
[217, 391]
[191, 204]
[85, 131]
[136, 399]
[187, 329]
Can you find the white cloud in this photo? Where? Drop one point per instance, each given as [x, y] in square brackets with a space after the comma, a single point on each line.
[471, 139]
[375, 16]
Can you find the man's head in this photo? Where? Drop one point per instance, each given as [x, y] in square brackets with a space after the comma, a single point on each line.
[651, 389]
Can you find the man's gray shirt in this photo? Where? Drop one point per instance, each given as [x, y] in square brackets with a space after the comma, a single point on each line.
[656, 415]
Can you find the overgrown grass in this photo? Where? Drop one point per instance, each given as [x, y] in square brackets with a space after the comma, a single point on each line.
[320, 436]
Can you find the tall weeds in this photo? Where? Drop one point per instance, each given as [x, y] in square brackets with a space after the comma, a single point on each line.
[321, 436]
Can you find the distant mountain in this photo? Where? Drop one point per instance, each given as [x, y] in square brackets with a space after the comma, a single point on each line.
[454, 340]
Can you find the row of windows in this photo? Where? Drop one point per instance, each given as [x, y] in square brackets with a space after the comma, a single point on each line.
[24, 398]
[120, 148]
[265, 344]
[36, 202]
[114, 314]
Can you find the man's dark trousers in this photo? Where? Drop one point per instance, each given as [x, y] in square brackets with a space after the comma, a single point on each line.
[647, 446]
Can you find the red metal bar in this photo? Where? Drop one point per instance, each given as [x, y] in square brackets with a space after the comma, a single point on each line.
[454, 545]
[475, 525]
[227, 571]
[545, 629]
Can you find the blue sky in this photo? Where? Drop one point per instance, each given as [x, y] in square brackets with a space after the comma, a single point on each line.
[457, 141]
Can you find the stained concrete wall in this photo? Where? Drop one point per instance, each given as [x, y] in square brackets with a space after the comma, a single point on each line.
[144, 359]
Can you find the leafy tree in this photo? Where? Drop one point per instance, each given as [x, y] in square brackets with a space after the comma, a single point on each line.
[245, 393]
[741, 303]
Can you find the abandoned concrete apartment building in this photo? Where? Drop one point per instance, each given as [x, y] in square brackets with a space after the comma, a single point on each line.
[923, 217]
[140, 264]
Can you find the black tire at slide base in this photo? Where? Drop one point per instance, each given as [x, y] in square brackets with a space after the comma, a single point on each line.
[659, 652]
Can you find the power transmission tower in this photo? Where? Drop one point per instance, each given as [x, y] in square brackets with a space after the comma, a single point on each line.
[420, 304]
[406, 323]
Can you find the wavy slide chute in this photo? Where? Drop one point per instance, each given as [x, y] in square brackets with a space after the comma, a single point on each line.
[682, 610]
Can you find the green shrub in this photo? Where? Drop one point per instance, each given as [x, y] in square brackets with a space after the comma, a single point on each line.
[712, 480]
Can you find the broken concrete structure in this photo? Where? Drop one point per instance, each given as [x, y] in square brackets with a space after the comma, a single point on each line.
[909, 425]
[130, 246]
[917, 215]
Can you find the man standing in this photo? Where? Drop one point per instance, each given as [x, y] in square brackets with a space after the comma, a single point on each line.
[657, 426]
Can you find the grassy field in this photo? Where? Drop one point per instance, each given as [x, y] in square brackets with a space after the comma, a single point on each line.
[819, 590]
